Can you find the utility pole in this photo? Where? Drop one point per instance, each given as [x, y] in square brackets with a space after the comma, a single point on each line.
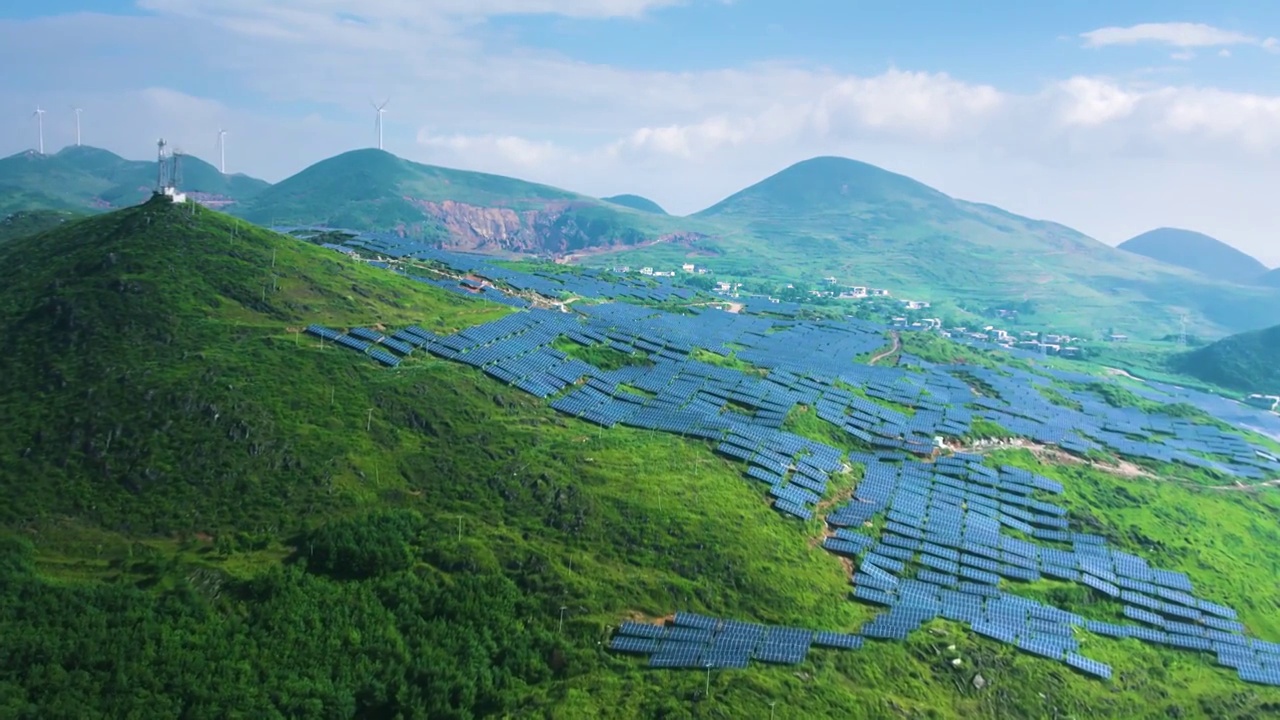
[707, 692]
[562, 609]
[459, 528]
[368, 423]
[771, 705]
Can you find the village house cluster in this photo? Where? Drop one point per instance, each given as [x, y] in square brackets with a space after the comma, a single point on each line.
[1038, 342]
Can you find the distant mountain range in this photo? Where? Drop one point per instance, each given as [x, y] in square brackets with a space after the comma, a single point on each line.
[86, 178]
[823, 217]
[1196, 251]
[1270, 279]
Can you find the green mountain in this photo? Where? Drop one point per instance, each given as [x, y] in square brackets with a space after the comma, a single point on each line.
[825, 217]
[208, 514]
[87, 179]
[458, 209]
[1248, 362]
[866, 226]
[30, 222]
[635, 202]
[1197, 252]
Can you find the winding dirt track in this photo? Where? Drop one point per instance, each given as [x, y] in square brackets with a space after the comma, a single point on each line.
[897, 345]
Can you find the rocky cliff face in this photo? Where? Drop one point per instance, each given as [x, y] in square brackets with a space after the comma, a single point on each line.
[555, 230]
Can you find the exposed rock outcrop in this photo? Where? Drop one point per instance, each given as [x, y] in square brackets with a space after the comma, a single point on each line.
[555, 230]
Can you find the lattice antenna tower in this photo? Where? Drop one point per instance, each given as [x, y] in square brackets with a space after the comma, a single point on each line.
[176, 177]
[162, 164]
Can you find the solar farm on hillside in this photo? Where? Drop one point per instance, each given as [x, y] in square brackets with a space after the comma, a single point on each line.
[932, 534]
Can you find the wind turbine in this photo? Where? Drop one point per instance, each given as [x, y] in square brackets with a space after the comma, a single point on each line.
[39, 116]
[78, 111]
[377, 123]
[222, 151]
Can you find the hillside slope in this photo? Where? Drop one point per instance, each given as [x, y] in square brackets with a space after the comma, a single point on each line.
[375, 190]
[30, 222]
[1271, 278]
[866, 226]
[1248, 362]
[636, 202]
[86, 179]
[208, 514]
[1197, 252]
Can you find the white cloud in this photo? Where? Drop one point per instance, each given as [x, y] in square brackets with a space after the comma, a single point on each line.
[464, 96]
[504, 151]
[1177, 34]
[1091, 102]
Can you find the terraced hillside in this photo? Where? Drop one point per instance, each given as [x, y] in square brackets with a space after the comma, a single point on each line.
[230, 500]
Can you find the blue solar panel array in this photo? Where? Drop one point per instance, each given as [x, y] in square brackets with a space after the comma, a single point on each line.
[581, 282]
[696, 641]
[943, 548]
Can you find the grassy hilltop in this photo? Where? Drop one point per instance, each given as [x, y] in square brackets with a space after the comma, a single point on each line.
[1248, 362]
[1198, 252]
[375, 190]
[207, 514]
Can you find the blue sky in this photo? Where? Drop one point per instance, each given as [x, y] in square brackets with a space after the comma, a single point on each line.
[1110, 117]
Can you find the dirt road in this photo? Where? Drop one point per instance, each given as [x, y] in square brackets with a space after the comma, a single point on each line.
[897, 345]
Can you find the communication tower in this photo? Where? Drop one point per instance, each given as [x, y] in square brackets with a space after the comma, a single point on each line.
[168, 172]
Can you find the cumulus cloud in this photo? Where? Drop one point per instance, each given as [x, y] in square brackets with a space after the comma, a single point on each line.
[1177, 34]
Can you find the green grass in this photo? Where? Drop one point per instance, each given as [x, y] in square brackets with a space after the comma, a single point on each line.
[865, 226]
[85, 179]
[1245, 363]
[934, 348]
[601, 356]
[175, 500]
[1223, 540]
[375, 190]
[30, 222]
